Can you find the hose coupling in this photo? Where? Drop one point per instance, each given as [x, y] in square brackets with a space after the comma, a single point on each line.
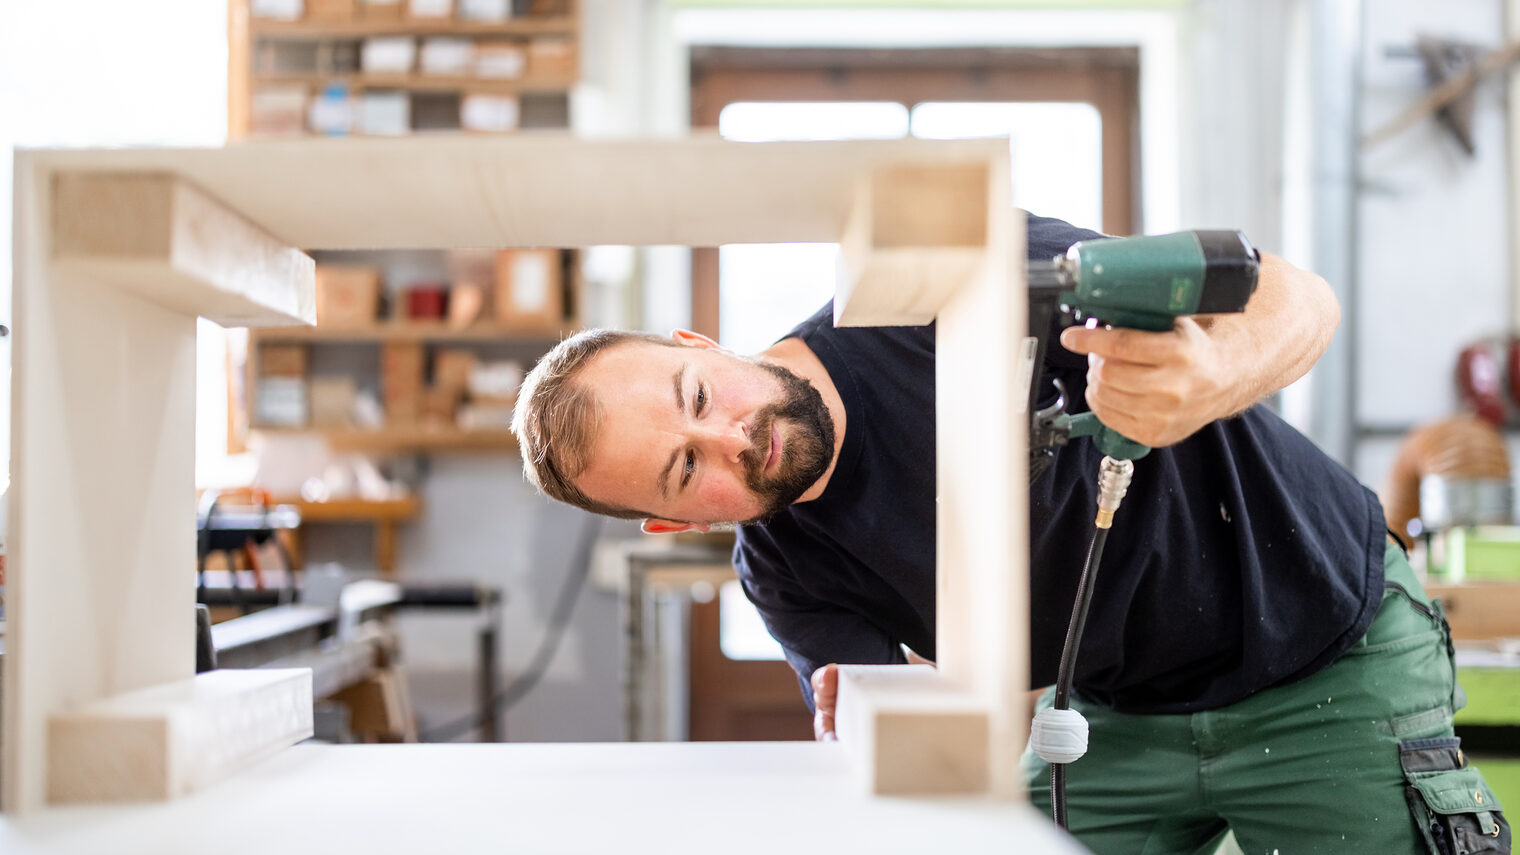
[1113, 482]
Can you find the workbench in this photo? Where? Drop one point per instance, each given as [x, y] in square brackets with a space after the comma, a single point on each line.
[655, 579]
[636, 798]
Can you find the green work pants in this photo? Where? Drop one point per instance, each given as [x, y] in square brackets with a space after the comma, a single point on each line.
[1358, 757]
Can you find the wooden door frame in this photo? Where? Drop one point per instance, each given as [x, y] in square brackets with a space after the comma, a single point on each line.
[1107, 78]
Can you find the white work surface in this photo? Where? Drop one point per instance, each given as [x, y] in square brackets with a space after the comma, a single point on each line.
[580, 798]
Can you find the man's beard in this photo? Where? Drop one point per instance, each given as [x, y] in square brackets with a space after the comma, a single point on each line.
[806, 451]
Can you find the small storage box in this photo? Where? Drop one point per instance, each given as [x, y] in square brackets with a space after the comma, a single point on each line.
[347, 296]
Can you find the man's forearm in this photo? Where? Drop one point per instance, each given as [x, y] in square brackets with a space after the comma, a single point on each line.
[1284, 330]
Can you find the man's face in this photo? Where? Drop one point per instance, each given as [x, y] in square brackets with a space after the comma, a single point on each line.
[696, 434]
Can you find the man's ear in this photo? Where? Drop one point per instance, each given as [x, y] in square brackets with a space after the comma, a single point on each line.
[668, 527]
[695, 339]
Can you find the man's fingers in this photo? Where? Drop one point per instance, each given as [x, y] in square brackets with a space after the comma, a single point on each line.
[825, 683]
[1136, 346]
[823, 727]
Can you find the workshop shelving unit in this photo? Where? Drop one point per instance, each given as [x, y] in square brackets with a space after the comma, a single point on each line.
[279, 68]
[321, 51]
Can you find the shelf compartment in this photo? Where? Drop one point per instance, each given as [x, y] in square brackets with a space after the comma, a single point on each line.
[418, 82]
[414, 331]
[325, 30]
[397, 440]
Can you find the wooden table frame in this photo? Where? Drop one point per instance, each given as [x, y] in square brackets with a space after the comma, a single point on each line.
[103, 452]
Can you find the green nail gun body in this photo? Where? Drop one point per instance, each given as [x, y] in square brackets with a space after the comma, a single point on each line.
[1142, 283]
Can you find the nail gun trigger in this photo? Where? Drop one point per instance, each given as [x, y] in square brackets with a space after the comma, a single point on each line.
[1049, 429]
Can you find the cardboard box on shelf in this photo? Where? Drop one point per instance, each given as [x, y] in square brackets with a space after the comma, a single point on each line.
[388, 55]
[382, 10]
[332, 11]
[385, 113]
[277, 111]
[277, 10]
[439, 406]
[489, 113]
[282, 360]
[500, 60]
[401, 381]
[332, 401]
[496, 380]
[452, 367]
[280, 402]
[430, 9]
[485, 10]
[485, 415]
[546, 8]
[446, 55]
[552, 58]
[347, 295]
[529, 289]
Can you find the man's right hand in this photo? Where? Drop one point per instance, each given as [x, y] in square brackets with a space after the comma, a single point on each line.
[825, 697]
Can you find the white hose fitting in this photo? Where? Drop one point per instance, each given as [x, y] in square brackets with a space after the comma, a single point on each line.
[1058, 736]
[1113, 483]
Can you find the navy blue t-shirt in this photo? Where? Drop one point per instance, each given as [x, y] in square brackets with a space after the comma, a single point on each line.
[1243, 557]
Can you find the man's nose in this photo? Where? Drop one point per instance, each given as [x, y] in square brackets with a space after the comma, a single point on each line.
[728, 441]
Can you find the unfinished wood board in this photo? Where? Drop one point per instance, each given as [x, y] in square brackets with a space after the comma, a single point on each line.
[167, 740]
[156, 235]
[910, 732]
[535, 190]
[915, 235]
[666, 798]
[982, 524]
[105, 378]
[982, 472]
[101, 586]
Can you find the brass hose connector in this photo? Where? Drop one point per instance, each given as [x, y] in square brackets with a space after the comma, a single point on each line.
[1113, 482]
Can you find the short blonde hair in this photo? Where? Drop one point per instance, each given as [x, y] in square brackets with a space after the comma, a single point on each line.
[557, 418]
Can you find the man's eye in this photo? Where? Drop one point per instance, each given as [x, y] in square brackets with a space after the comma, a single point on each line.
[701, 400]
[691, 466]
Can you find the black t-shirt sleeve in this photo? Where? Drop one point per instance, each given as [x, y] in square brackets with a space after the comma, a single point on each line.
[811, 631]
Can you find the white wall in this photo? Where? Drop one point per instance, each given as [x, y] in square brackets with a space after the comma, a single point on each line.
[96, 72]
[1433, 268]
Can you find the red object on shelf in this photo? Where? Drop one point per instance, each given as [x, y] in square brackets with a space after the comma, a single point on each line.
[1478, 382]
[427, 302]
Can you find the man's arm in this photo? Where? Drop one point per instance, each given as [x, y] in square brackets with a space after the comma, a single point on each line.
[1160, 388]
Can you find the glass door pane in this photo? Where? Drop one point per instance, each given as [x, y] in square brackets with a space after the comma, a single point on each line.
[766, 289]
[1056, 149]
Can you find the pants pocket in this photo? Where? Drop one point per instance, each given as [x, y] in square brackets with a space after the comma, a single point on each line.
[1452, 805]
